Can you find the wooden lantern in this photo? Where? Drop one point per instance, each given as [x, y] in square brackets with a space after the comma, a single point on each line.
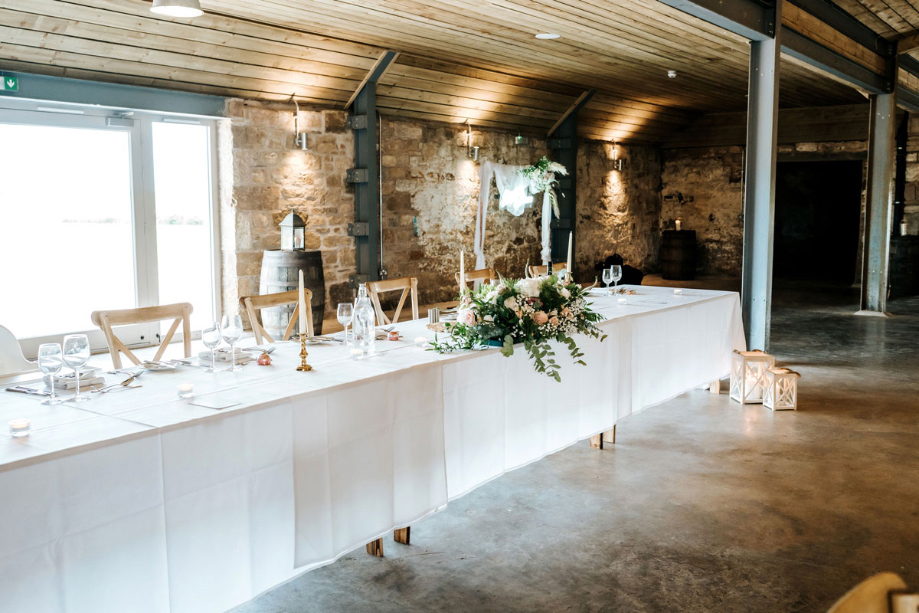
[748, 375]
[780, 392]
[293, 233]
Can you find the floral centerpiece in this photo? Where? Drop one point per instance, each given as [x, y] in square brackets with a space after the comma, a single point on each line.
[529, 311]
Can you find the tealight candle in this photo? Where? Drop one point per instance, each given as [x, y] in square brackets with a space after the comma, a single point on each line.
[677, 291]
[621, 300]
[357, 354]
[186, 390]
[421, 341]
[20, 427]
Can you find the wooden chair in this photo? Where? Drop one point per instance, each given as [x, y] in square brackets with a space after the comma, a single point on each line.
[876, 595]
[538, 271]
[12, 362]
[253, 304]
[406, 284]
[483, 274]
[180, 312]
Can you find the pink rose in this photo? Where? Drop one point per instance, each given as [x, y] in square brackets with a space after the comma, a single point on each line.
[566, 312]
[466, 316]
[540, 317]
[554, 321]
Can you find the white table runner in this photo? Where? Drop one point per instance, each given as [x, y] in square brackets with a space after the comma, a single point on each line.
[139, 501]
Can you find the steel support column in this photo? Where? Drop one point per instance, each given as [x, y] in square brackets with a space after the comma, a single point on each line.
[881, 160]
[366, 175]
[759, 191]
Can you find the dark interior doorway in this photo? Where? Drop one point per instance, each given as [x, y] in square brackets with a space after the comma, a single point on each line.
[817, 214]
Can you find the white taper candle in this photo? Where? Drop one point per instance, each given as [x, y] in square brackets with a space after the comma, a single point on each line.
[302, 304]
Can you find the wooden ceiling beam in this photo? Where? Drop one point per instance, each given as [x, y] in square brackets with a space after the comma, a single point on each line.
[576, 106]
[908, 43]
[375, 73]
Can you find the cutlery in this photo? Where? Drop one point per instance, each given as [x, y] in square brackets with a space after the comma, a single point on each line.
[112, 389]
[125, 383]
[20, 389]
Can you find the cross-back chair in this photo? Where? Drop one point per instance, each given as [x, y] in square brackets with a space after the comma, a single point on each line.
[539, 271]
[408, 285]
[12, 362]
[254, 304]
[483, 274]
[180, 313]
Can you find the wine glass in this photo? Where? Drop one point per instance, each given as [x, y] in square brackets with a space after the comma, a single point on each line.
[76, 355]
[607, 277]
[616, 271]
[211, 338]
[232, 330]
[50, 362]
[345, 316]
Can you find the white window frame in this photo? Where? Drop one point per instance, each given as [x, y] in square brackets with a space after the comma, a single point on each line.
[139, 124]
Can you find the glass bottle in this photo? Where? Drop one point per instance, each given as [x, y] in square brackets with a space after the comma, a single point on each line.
[364, 329]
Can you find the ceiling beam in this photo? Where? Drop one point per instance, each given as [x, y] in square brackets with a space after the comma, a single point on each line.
[747, 18]
[828, 60]
[908, 43]
[576, 106]
[846, 24]
[376, 72]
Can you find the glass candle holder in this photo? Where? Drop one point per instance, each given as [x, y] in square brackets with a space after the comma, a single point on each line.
[357, 354]
[186, 390]
[678, 292]
[421, 341]
[621, 300]
[20, 427]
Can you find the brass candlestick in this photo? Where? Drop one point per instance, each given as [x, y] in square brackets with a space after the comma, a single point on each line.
[304, 367]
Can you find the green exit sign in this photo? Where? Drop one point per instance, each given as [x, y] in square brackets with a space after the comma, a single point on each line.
[10, 84]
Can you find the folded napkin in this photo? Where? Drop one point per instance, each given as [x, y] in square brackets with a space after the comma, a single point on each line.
[70, 383]
[223, 355]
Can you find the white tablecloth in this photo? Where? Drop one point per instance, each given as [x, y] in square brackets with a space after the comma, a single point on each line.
[138, 501]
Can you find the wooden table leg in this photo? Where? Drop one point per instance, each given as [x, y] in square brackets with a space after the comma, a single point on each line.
[596, 442]
[402, 535]
[715, 386]
[375, 548]
[610, 436]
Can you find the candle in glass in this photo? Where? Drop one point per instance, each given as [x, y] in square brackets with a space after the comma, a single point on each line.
[20, 427]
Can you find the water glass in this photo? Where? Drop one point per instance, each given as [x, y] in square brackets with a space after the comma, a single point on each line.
[76, 355]
[211, 338]
[50, 362]
[616, 271]
[607, 277]
[232, 330]
[345, 316]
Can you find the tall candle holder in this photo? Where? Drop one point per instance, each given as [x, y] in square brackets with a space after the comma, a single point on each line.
[304, 367]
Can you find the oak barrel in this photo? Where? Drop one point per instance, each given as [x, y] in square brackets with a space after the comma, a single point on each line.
[678, 254]
[280, 273]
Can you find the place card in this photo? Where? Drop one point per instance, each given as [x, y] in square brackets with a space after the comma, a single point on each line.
[214, 403]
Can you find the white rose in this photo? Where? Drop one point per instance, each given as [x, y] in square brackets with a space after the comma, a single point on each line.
[488, 318]
[511, 303]
[466, 316]
[529, 287]
[565, 293]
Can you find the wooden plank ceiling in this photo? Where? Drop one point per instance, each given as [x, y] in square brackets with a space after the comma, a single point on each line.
[460, 60]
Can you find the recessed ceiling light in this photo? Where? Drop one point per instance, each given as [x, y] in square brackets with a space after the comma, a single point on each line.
[548, 36]
[671, 74]
[177, 8]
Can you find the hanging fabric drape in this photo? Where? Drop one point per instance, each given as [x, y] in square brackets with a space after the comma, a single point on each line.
[514, 197]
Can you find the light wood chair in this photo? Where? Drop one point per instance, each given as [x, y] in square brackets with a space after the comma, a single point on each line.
[12, 362]
[875, 595]
[483, 274]
[406, 284]
[538, 271]
[253, 304]
[179, 312]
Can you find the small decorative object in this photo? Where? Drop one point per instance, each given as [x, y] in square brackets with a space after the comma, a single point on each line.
[186, 390]
[780, 392]
[621, 300]
[679, 225]
[433, 315]
[20, 427]
[421, 341]
[531, 312]
[357, 354]
[678, 292]
[904, 228]
[748, 375]
[293, 233]
[393, 335]
[264, 359]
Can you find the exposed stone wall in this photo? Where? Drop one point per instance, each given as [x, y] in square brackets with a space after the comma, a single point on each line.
[618, 211]
[271, 177]
[703, 186]
[911, 199]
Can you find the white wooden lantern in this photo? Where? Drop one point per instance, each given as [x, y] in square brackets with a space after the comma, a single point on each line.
[748, 375]
[781, 389]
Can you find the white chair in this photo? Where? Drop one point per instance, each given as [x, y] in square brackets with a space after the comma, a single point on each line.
[12, 362]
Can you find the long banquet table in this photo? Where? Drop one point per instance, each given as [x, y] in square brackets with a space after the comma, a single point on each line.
[138, 501]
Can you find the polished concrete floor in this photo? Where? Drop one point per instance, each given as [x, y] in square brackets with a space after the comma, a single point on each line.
[702, 505]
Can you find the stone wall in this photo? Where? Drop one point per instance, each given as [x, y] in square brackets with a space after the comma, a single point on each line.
[618, 211]
[911, 199]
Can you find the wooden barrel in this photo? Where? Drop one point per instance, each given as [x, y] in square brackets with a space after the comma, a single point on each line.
[678, 254]
[280, 273]
[904, 266]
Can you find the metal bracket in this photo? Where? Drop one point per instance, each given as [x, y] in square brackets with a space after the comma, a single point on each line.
[356, 122]
[355, 280]
[356, 175]
[560, 143]
[359, 228]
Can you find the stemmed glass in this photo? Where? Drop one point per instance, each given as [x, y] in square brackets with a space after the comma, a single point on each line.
[607, 277]
[232, 329]
[211, 338]
[345, 316]
[616, 271]
[50, 362]
[76, 355]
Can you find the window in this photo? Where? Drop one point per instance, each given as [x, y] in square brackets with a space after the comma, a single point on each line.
[103, 210]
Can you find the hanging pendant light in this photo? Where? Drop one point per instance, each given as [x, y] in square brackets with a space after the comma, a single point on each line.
[177, 8]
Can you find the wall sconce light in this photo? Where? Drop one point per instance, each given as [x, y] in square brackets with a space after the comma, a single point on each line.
[618, 162]
[521, 140]
[471, 152]
[300, 137]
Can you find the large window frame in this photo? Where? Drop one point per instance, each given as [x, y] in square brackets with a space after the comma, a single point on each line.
[139, 125]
